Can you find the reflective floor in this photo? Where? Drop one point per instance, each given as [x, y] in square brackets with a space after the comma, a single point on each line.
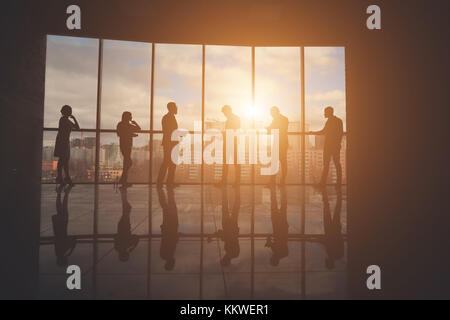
[194, 242]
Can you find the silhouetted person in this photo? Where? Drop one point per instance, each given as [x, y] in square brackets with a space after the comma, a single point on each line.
[230, 229]
[64, 244]
[333, 240]
[169, 125]
[281, 123]
[233, 122]
[169, 227]
[279, 244]
[126, 130]
[333, 132]
[62, 144]
[124, 241]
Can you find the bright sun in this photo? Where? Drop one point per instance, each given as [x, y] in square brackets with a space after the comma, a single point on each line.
[252, 111]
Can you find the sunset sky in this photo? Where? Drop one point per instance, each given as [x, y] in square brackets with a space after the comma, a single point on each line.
[71, 78]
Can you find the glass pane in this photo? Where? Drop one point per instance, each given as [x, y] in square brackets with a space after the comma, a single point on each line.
[111, 159]
[184, 173]
[324, 84]
[228, 81]
[314, 161]
[126, 82]
[293, 162]
[82, 157]
[71, 78]
[278, 83]
[178, 78]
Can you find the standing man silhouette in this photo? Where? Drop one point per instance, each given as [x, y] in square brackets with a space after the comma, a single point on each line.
[333, 132]
[233, 123]
[62, 144]
[126, 130]
[281, 123]
[169, 125]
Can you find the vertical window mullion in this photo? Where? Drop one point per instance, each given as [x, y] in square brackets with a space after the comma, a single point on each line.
[252, 232]
[150, 184]
[97, 163]
[303, 153]
[202, 207]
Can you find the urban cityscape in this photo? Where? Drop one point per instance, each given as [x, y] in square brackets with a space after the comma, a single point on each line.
[110, 161]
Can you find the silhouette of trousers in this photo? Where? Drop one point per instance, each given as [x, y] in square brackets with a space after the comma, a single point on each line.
[63, 164]
[283, 165]
[327, 156]
[226, 166]
[167, 165]
[127, 163]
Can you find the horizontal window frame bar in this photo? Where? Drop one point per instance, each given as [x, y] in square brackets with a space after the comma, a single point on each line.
[248, 184]
[161, 132]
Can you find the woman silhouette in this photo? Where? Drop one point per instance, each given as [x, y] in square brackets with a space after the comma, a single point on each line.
[62, 144]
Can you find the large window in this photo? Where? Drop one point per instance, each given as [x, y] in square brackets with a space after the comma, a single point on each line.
[102, 78]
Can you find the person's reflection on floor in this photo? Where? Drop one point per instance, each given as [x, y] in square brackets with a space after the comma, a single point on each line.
[64, 244]
[169, 227]
[124, 241]
[278, 243]
[229, 233]
[333, 240]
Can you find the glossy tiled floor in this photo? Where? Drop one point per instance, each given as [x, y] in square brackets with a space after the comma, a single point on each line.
[194, 242]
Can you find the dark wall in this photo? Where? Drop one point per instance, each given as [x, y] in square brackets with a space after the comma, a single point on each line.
[22, 99]
[397, 113]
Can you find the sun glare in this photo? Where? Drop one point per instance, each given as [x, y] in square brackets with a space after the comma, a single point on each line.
[252, 112]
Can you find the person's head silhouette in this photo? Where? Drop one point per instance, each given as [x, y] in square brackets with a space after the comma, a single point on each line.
[227, 111]
[170, 264]
[126, 116]
[328, 112]
[172, 107]
[66, 110]
[274, 112]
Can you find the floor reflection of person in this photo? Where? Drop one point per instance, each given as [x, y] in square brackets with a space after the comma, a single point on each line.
[333, 239]
[169, 227]
[278, 243]
[64, 244]
[230, 228]
[124, 241]
[126, 130]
